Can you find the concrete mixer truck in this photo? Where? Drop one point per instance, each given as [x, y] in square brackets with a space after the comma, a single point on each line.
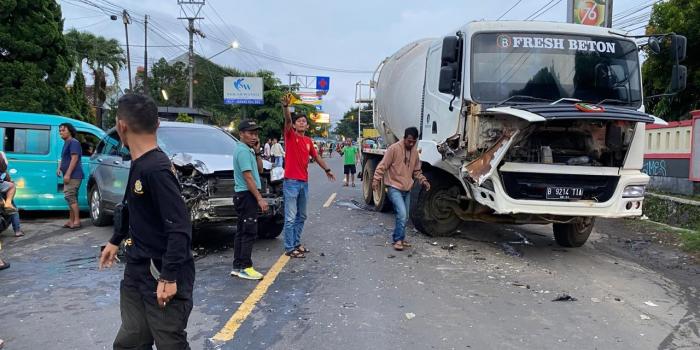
[521, 123]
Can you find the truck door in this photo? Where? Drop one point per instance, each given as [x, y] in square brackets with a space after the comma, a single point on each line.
[439, 122]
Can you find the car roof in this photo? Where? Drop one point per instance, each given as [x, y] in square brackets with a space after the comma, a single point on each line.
[169, 124]
[43, 119]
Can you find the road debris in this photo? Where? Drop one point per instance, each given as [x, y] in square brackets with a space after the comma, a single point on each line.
[449, 247]
[410, 315]
[523, 240]
[649, 303]
[564, 297]
[434, 243]
[521, 285]
[510, 250]
[391, 256]
[644, 317]
[595, 300]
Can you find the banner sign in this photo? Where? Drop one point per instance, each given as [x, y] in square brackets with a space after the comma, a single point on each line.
[590, 12]
[321, 118]
[243, 90]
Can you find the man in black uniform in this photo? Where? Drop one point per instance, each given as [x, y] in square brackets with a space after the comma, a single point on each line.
[156, 292]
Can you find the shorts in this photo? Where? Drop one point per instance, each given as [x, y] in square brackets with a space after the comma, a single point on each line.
[70, 191]
[349, 169]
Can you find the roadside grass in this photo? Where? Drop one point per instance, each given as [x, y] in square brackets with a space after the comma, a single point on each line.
[691, 240]
[683, 238]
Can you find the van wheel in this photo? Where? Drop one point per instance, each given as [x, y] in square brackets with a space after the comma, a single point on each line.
[270, 228]
[429, 212]
[97, 211]
[574, 234]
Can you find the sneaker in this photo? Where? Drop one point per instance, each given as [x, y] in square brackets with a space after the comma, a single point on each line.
[248, 274]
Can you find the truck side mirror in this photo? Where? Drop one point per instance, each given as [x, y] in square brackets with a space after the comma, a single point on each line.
[450, 50]
[679, 76]
[448, 77]
[678, 48]
[654, 45]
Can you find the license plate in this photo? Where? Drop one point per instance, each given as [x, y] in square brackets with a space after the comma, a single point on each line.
[564, 192]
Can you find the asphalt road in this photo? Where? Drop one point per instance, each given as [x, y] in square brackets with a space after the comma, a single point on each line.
[354, 292]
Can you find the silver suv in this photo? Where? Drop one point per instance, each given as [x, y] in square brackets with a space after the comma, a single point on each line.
[203, 158]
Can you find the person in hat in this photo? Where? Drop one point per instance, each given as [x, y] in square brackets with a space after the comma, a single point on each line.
[247, 165]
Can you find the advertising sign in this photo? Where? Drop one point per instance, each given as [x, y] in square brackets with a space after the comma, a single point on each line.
[590, 12]
[243, 90]
[321, 118]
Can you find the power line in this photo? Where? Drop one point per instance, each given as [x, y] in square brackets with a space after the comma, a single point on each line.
[512, 7]
[538, 10]
[546, 10]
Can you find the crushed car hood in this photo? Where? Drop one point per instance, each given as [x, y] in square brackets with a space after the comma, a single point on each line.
[549, 112]
[204, 163]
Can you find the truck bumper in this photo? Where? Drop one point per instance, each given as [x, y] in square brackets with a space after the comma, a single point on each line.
[500, 195]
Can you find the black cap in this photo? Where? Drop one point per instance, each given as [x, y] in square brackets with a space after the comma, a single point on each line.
[248, 125]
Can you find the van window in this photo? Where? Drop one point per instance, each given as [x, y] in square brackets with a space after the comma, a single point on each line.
[111, 145]
[88, 142]
[26, 140]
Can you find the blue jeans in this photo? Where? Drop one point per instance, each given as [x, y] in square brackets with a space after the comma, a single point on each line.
[15, 221]
[402, 202]
[296, 193]
[279, 161]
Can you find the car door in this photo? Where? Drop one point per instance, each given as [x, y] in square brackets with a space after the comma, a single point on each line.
[88, 141]
[106, 169]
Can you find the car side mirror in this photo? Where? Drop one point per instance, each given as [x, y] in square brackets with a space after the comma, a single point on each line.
[679, 77]
[678, 48]
[448, 80]
[450, 50]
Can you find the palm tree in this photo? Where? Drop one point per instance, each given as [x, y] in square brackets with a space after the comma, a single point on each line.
[99, 54]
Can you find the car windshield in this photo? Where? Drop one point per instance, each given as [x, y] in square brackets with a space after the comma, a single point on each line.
[552, 67]
[195, 140]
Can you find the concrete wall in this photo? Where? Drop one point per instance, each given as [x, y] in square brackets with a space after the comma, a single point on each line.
[673, 185]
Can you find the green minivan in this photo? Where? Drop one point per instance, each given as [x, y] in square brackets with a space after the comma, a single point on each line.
[33, 149]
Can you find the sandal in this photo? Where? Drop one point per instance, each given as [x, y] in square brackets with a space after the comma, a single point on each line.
[398, 246]
[302, 249]
[5, 265]
[19, 234]
[295, 254]
[406, 244]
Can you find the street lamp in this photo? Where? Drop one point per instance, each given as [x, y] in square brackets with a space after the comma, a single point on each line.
[234, 45]
[164, 94]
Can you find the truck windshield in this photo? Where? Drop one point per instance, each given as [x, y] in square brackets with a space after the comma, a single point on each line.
[552, 67]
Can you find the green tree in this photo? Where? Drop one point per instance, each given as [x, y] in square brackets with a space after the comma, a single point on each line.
[100, 55]
[34, 62]
[184, 118]
[347, 127]
[682, 17]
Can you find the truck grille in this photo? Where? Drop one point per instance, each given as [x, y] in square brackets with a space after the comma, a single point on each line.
[534, 186]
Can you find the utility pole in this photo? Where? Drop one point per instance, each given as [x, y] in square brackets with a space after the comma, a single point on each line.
[145, 55]
[186, 5]
[127, 20]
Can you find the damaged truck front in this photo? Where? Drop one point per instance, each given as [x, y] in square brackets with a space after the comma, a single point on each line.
[521, 122]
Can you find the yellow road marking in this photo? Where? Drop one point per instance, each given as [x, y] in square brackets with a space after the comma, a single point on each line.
[329, 201]
[230, 328]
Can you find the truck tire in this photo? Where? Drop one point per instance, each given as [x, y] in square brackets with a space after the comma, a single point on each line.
[380, 197]
[428, 212]
[270, 228]
[574, 234]
[97, 212]
[367, 172]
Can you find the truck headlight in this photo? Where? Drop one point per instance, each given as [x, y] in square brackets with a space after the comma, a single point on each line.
[634, 191]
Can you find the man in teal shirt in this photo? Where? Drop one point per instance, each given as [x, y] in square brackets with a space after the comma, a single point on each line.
[247, 164]
[350, 158]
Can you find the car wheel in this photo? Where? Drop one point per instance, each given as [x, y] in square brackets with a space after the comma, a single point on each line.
[270, 228]
[97, 211]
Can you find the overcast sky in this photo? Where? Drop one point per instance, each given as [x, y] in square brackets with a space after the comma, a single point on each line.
[347, 35]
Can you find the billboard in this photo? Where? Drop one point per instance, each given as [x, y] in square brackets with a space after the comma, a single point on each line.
[243, 90]
[590, 12]
[321, 118]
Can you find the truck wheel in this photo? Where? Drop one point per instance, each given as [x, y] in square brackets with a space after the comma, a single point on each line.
[574, 234]
[429, 213]
[367, 172]
[380, 197]
[97, 212]
[270, 228]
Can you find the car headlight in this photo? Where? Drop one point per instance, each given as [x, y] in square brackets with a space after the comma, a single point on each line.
[634, 191]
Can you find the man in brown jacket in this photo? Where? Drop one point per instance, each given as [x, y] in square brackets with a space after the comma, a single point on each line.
[402, 166]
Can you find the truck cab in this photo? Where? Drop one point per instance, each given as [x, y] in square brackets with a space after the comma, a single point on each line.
[523, 122]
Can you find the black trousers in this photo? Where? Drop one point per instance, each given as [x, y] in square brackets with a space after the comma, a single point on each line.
[144, 322]
[246, 230]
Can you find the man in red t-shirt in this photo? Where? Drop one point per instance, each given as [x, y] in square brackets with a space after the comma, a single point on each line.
[298, 148]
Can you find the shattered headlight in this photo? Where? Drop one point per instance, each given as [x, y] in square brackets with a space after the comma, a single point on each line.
[276, 174]
[634, 191]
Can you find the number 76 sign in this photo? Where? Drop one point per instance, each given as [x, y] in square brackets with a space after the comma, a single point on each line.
[589, 12]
